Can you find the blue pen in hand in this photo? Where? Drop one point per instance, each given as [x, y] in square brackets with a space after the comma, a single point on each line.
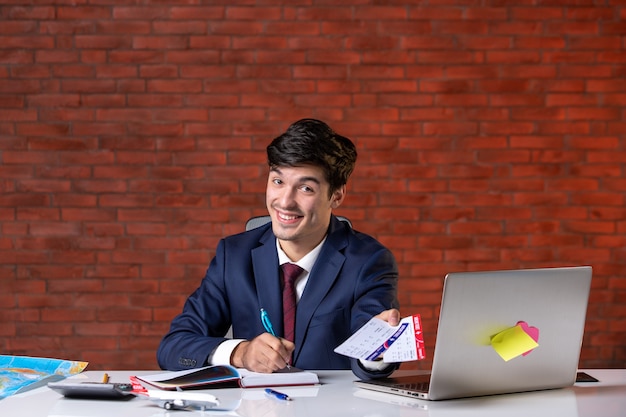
[267, 324]
[277, 394]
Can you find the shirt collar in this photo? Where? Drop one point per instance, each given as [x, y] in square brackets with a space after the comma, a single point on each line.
[307, 260]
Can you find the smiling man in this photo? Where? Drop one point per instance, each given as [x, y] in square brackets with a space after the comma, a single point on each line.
[343, 277]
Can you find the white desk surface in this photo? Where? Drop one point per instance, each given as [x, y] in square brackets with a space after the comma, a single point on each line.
[337, 397]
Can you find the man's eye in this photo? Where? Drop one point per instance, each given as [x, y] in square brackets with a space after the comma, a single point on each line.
[306, 189]
[277, 181]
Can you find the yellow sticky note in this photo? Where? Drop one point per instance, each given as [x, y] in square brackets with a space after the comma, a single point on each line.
[512, 342]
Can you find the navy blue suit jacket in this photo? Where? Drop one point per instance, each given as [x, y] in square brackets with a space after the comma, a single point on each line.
[353, 279]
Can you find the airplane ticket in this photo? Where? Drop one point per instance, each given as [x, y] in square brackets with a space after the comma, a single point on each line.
[401, 343]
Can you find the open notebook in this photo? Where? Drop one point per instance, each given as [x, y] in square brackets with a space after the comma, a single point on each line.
[221, 376]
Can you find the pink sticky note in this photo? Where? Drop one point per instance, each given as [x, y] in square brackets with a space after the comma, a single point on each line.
[530, 331]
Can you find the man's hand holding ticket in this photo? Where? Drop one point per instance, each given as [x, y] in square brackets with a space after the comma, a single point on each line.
[401, 343]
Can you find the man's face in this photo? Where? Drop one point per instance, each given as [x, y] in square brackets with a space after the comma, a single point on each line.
[298, 203]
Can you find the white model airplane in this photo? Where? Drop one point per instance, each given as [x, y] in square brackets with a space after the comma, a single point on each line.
[176, 400]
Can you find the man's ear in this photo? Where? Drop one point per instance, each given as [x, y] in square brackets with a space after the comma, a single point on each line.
[338, 196]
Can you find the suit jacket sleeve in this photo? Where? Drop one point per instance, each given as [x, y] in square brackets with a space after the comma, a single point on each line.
[378, 293]
[200, 328]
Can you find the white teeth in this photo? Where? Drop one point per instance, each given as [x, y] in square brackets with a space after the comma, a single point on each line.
[285, 217]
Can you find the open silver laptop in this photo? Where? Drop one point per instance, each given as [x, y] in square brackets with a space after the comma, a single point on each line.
[477, 305]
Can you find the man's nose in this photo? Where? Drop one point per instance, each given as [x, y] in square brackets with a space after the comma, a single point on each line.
[287, 199]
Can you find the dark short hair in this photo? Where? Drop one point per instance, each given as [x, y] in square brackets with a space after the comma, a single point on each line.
[313, 142]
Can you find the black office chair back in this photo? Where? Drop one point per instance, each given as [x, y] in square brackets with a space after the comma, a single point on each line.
[258, 221]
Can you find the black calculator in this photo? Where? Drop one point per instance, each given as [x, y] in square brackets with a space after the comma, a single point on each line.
[95, 390]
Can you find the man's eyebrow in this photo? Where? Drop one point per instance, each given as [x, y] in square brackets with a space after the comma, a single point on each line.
[301, 179]
[311, 179]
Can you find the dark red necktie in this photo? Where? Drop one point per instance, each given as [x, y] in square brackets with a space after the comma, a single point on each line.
[290, 273]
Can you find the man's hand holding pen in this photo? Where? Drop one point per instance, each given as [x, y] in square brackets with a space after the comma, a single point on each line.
[264, 353]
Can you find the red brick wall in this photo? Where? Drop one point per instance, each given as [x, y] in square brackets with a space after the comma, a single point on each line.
[491, 135]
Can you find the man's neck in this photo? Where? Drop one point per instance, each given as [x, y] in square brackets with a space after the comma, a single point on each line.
[296, 251]
[306, 262]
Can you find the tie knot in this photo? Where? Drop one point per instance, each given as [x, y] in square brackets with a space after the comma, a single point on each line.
[290, 273]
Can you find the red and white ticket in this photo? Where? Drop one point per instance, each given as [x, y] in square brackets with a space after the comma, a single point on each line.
[401, 343]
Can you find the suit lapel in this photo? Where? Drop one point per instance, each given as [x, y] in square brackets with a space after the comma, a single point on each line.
[322, 277]
[324, 274]
[266, 277]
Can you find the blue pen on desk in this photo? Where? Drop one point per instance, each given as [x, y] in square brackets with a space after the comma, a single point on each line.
[277, 394]
[267, 324]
